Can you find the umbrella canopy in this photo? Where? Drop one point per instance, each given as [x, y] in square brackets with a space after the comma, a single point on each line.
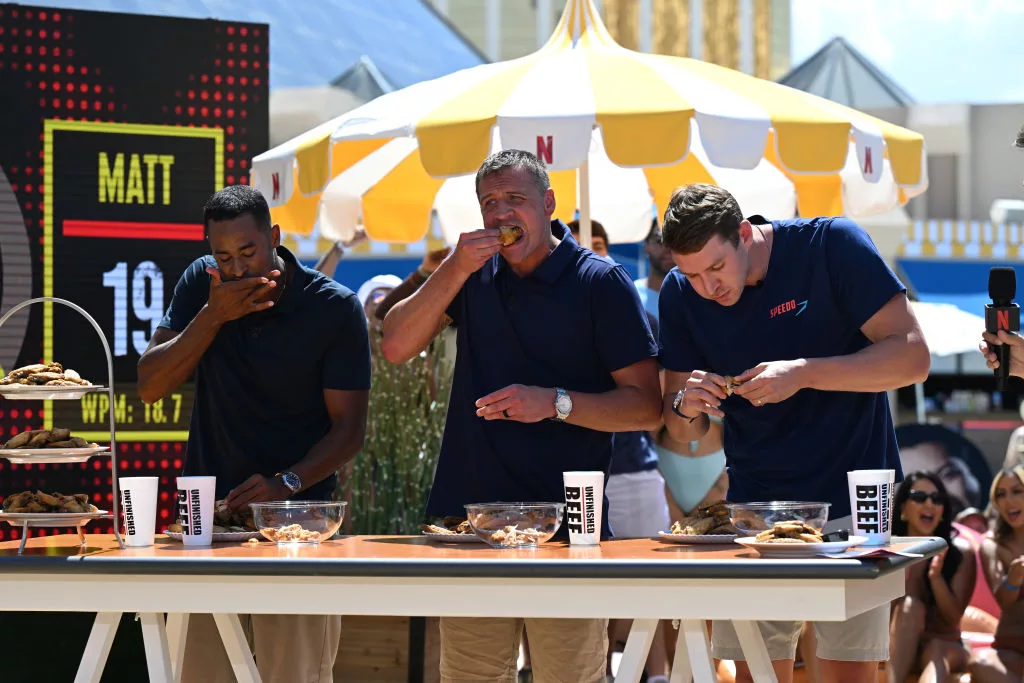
[390, 194]
[649, 109]
[947, 329]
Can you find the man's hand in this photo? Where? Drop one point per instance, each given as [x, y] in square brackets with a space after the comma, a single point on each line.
[519, 403]
[771, 382]
[703, 393]
[1016, 344]
[237, 298]
[256, 489]
[474, 249]
[433, 259]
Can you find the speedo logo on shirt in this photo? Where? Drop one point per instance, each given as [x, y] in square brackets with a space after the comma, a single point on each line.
[786, 307]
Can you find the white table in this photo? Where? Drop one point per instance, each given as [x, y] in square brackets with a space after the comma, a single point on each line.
[642, 580]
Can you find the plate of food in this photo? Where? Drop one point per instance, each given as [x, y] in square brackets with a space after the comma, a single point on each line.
[45, 381]
[451, 530]
[228, 525]
[708, 525]
[55, 445]
[796, 539]
[37, 508]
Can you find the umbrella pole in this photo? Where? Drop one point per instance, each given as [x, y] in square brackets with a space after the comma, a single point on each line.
[583, 177]
[919, 402]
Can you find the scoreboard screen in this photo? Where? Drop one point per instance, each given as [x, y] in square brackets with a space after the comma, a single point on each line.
[119, 227]
[116, 130]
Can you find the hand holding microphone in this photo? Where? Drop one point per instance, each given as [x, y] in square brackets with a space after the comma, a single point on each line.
[1004, 352]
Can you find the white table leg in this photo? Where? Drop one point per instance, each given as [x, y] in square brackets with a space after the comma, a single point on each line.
[695, 632]
[177, 628]
[237, 647]
[90, 670]
[681, 672]
[634, 656]
[754, 651]
[154, 638]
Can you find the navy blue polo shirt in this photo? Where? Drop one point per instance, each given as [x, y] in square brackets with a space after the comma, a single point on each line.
[259, 400]
[825, 280]
[571, 323]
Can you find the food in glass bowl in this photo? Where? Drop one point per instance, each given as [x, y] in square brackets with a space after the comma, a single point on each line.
[753, 518]
[298, 521]
[515, 525]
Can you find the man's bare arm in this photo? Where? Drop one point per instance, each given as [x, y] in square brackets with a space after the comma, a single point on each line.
[171, 358]
[897, 357]
[348, 411]
[411, 325]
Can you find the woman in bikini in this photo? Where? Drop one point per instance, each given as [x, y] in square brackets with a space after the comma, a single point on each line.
[1002, 555]
[925, 626]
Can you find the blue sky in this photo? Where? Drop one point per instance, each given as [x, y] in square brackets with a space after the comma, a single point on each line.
[937, 50]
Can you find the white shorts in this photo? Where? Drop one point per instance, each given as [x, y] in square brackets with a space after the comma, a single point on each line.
[864, 638]
[636, 504]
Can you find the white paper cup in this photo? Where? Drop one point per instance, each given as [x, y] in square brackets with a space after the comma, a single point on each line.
[871, 493]
[138, 507]
[584, 497]
[195, 509]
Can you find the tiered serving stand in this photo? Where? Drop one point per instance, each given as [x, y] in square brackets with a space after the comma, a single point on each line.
[49, 456]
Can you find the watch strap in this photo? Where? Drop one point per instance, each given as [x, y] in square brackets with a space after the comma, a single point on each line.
[675, 407]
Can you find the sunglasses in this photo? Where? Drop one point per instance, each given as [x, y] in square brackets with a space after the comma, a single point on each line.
[921, 496]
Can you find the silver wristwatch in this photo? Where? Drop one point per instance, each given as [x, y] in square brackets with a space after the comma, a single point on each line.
[563, 404]
[292, 481]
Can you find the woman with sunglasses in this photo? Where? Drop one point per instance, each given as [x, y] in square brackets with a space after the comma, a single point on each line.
[1002, 556]
[925, 626]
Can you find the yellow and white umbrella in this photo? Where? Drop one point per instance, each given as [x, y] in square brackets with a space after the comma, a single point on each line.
[649, 109]
[390, 194]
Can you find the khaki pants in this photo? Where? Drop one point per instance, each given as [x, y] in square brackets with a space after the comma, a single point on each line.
[486, 649]
[288, 648]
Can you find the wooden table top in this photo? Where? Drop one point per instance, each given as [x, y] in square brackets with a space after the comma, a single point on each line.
[418, 557]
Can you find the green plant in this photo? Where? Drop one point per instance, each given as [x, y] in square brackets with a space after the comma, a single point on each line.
[387, 484]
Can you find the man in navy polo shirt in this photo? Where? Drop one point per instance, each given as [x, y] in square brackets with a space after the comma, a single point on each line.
[282, 364]
[815, 326]
[554, 355]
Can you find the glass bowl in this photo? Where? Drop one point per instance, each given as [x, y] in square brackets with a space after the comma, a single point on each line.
[752, 518]
[515, 525]
[298, 521]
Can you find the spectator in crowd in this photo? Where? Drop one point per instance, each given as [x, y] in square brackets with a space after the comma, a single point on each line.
[925, 626]
[598, 237]
[1002, 555]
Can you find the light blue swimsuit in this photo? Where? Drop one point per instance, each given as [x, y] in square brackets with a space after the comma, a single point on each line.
[689, 478]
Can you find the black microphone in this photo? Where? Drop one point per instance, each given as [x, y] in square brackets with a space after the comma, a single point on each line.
[1002, 314]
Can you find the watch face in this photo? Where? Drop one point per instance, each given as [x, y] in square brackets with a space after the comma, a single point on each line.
[563, 404]
[291, 481]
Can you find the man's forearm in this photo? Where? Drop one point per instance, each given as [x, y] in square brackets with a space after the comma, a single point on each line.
[412, 323]
[329, 454]
[165, 367]
[624, 409]
[682, 429]
[887, 364]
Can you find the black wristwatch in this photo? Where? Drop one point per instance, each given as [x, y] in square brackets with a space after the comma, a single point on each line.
[676, 403]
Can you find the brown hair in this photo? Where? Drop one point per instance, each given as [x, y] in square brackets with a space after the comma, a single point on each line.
[596, 229]
[698, 212]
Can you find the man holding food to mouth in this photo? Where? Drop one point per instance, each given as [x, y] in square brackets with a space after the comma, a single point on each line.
[282, 364]
[554, 355]
[790, 331]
